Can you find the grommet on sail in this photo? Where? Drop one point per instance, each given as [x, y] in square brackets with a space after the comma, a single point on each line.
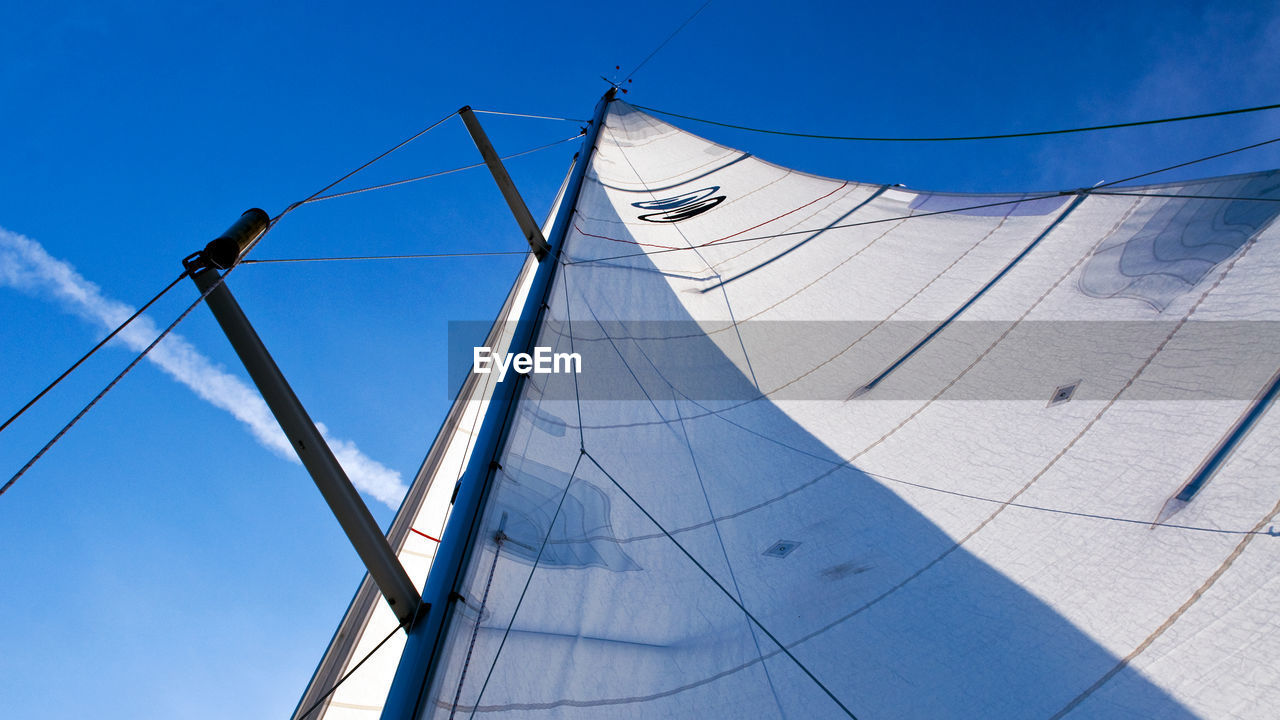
[846, 450]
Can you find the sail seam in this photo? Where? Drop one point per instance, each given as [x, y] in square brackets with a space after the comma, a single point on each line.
[1177, 614]
[969, 303]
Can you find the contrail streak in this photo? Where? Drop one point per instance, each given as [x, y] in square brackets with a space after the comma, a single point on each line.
[26, 266]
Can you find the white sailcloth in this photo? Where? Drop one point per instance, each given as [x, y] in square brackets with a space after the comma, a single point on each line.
[843, 450]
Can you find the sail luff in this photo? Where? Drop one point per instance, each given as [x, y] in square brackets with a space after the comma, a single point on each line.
[425, 505]
[415, 673]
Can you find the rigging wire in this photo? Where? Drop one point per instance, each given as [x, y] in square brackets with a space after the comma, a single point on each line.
[92, 350]
[114, 381]
[265, 261]
[1186, 197]
[664, 42]
[526, 115]
[316, 195]
[811, 231]
[1002, 136]
[318, 198]
[320, 701]
[164, 333]
[1189, 162]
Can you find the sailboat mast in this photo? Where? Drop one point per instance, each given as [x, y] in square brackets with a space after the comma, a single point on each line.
[418, 664]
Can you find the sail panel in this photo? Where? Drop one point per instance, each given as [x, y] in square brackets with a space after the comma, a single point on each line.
[845, 449]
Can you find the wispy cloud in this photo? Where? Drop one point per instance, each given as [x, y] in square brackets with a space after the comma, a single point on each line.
[26, 266]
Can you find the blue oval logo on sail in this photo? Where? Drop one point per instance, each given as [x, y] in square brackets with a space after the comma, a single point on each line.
[680, 207]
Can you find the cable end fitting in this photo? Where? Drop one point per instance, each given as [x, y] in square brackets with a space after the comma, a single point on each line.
[226, 249]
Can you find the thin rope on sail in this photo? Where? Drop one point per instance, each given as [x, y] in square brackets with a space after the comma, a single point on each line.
[320, 701]
[436, 174]
[419, 532]
[999, 136]
[725, 591]
[91, 351]
[419, 256]
[536, 560]
[484, 602]
[810, 231]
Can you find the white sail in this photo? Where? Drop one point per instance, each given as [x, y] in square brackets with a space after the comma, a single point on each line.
[843, 450]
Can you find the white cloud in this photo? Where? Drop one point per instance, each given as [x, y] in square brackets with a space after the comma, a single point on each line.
[26, 266]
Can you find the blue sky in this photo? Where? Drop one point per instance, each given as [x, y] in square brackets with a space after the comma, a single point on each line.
[159, 561]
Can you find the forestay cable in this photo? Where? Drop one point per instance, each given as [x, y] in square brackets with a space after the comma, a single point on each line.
[318, 198]
[1189, 162]
[664, 42]
[526, 115]
[419, 256]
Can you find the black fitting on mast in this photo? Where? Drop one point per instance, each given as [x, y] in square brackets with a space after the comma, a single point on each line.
[223, 252]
